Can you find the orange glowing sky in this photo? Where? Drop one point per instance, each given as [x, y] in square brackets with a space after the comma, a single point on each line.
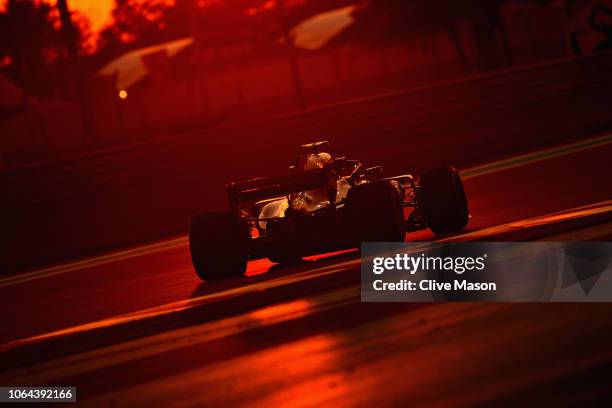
[98, 11]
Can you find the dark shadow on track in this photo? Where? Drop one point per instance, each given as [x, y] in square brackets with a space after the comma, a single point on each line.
[279, 270]
[274, 272]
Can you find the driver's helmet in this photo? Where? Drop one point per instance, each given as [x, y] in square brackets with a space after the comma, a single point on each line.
[316, 198]
[317, 160]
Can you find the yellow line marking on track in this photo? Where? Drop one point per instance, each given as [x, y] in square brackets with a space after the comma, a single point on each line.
[466, 174]
[536, 156]
[578, 212]
[95, 261]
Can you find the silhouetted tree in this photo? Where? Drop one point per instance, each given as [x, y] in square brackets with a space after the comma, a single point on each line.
[405, 20]
[134, 19]
[141, 22]
[33, 40]
[29, 39]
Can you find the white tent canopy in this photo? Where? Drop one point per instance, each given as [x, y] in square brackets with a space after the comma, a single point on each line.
[130, 68]
[316, 31]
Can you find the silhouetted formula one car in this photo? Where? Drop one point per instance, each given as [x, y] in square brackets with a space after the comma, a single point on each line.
[323, 204]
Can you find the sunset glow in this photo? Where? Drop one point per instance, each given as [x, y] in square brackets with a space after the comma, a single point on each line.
[97, 11]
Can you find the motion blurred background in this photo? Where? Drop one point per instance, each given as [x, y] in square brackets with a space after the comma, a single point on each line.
[122, 119]
[80, 75]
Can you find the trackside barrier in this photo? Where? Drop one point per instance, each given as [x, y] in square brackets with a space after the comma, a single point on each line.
[147, 191]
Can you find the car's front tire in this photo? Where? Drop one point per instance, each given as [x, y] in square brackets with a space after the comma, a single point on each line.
[442, 200]
[218, 242]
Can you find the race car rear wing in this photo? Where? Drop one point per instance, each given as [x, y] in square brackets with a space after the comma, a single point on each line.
[269, 187]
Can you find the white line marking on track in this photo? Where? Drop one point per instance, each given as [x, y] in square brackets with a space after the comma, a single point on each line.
[147, 249]
[181, 305]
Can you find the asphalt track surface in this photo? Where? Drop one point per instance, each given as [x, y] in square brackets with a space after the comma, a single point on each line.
[279, 337]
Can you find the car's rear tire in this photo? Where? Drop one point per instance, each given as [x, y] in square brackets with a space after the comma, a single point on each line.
[375, 212]
[442, 200]
[218, 242]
